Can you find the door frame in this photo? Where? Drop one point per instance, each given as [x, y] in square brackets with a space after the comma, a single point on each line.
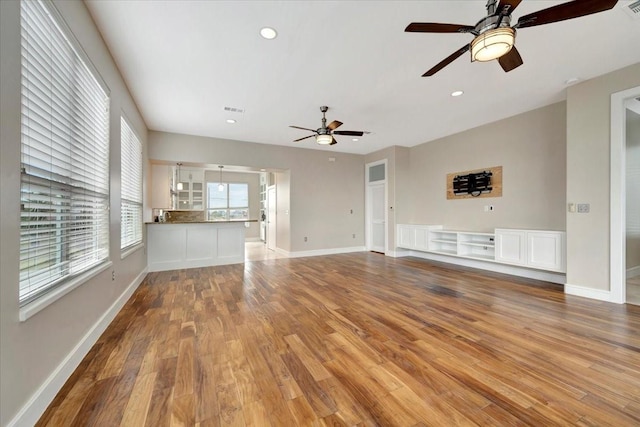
[368, 240]
[617, 232]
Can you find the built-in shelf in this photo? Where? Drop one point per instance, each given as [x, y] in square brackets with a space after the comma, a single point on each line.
[543, 250]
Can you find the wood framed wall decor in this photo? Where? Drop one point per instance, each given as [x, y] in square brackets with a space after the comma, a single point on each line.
[478, 183]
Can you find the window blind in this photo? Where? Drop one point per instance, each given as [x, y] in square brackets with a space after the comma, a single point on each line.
[131, 187]
[64, 227]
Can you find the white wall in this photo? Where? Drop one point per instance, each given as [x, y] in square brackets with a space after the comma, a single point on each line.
[322, 192]
[31, 351]
[588, 175]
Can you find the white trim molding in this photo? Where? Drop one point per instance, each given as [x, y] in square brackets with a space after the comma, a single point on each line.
[31, 412]
[529, 273]
[320, 252]
[581, 291]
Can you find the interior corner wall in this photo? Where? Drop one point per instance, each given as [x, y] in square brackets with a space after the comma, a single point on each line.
[283, 207]
[36, 355]
[588, 175]
[530, 147]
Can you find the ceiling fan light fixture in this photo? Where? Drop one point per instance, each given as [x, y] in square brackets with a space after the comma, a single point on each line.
[492, 44]
[324, 139]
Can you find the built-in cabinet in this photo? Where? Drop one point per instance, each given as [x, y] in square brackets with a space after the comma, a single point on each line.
[544, 250]
[161, 186]
[191, 196]
[540, 249]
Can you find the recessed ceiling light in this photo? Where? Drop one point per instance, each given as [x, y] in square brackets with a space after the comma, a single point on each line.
[457, 93]
[268, 33]
[231, 121]
[355, 139]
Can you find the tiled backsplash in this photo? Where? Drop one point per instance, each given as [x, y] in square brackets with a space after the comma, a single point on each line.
[185, 216]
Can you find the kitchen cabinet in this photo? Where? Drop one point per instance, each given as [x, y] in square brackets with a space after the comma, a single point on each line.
[161, 186]
[191, 196]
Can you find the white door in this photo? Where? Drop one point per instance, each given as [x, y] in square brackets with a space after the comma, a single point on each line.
[271, 218]
[376, 214]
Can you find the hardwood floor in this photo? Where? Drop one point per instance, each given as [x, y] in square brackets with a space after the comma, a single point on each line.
[356, 339]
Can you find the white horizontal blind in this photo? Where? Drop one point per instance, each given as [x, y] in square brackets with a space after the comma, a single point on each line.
[131, 190]
[64, 228]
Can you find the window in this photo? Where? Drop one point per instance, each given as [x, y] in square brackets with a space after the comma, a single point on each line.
[227, 201]
[131, 187]
[64, 191]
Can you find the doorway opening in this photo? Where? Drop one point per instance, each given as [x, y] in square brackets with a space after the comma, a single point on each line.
[625, 174]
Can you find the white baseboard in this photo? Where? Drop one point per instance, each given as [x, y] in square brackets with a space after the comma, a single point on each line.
[633, 272]
[581, 291]
[398, 254]
[547, 276]
[31, 412]
[319, 252]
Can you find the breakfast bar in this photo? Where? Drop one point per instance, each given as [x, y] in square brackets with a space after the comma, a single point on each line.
[177, 245]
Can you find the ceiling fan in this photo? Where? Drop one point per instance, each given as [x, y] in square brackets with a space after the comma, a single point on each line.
[324, 134]
[494, 35]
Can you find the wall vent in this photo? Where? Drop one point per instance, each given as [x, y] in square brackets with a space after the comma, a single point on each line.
[234, 109]
[633, 9]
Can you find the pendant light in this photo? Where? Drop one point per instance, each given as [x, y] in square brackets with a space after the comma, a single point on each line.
[220, 184]
[179, 185]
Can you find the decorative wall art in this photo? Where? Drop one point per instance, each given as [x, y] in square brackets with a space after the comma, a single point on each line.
[477, 183]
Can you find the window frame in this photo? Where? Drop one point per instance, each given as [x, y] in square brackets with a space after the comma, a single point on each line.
[131, 174]
[227, 209]
[57, 193]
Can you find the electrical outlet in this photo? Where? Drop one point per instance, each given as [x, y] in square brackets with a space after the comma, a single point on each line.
[305, 238]
[113, 275]
[584, 207]
[572, 207]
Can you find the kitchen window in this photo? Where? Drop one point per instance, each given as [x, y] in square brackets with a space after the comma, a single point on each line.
[227, 201]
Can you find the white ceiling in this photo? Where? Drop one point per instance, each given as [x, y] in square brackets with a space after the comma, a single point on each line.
[184, 61]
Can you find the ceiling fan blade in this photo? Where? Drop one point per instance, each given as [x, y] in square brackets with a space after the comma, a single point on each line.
[348, 132]
[561, 12]
[300, 139]
[334, 124]
[510, 4]
[333, 142]
[448, 60]
[298, 127]
[510, 60]
[434, 27]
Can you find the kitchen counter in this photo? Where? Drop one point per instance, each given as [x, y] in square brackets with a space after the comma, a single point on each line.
[233, 221]
[178, 245]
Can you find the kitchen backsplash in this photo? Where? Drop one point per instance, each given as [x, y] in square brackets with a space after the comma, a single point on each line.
[185, 216]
